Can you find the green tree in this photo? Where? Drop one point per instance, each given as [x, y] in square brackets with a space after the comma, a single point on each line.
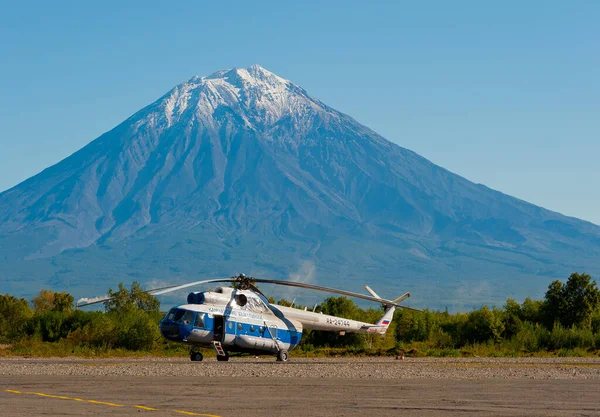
[15, 313]
[134, 313]
[512, 307]
[573, 303]
[581, 298]
[531, 311]
[413, 325]
[339, 307]
[132, 299]
[49, 300]
[484, 325]
[596, 324]
[50, 325]
[63, 301]
[44, 301]
[283, 302]
[554, 304]
[135, 330]
[512, 318]
[93, 328]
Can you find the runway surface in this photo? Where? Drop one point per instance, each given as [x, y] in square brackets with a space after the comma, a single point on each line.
[102, 389]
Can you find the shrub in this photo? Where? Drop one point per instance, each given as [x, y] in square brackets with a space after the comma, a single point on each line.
[135, 330]
[53, 301]
[531, 338]
[99, 332]
[440, 339]
[49, 325]
[484, 325]
[570, 338]
[14, 317]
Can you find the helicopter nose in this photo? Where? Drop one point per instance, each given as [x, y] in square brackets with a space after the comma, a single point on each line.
[170, 330]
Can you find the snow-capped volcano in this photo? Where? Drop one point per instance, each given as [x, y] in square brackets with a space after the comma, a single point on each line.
[243, 171]
[259, 97]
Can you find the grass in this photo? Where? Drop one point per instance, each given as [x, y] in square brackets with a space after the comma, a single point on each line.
[32, 347]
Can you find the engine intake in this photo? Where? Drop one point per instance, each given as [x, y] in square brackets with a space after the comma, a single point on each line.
[207, 297]
[196, 298]
[241, 300]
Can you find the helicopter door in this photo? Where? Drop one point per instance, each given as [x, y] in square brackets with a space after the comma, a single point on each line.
[219, 328]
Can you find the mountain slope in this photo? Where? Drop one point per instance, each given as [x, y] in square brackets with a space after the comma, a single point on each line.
[244, 171]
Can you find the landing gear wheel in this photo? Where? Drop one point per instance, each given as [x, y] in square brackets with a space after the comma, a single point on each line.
[283, 355]
[223, 358]
[196, 356]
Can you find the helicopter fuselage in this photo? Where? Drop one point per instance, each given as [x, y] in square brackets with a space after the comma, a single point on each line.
[240, 321]
[236, 330]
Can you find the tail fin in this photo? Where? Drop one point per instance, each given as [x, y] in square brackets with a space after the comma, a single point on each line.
[385, 320]
[382, 325]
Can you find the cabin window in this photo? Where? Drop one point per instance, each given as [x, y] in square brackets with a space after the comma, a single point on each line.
[252, 329]
[273, 330]
[188, 317]
[240, 327]
[199, 322]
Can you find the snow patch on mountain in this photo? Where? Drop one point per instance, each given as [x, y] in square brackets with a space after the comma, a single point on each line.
[257, 96]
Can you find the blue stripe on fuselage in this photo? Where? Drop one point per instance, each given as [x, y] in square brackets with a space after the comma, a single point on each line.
[284, 335]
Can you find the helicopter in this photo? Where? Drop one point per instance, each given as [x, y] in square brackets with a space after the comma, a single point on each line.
[239, 319]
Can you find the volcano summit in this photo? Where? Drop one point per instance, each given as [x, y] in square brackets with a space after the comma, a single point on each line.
[243, 171]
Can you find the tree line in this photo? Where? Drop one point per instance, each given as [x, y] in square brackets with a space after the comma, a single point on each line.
[129, 321]
[566, 321]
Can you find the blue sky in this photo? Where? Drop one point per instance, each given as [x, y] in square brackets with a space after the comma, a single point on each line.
[506, 94]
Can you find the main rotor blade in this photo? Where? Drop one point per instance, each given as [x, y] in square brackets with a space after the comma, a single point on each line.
[153, 291]
[250, 282]
[332, 290]
[165, 290]
[256, 290]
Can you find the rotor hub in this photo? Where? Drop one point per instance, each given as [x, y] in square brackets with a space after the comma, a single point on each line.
[243, 282]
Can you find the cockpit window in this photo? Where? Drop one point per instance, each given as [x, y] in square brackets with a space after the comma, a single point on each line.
[171, 314]
[199, 322]
[178, 315]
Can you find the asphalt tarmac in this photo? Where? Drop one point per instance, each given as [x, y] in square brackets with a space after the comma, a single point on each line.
[273, 396]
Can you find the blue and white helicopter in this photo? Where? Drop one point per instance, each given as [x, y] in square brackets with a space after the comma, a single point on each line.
[240, 319]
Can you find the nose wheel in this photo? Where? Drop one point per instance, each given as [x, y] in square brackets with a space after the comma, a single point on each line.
[196, 356]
